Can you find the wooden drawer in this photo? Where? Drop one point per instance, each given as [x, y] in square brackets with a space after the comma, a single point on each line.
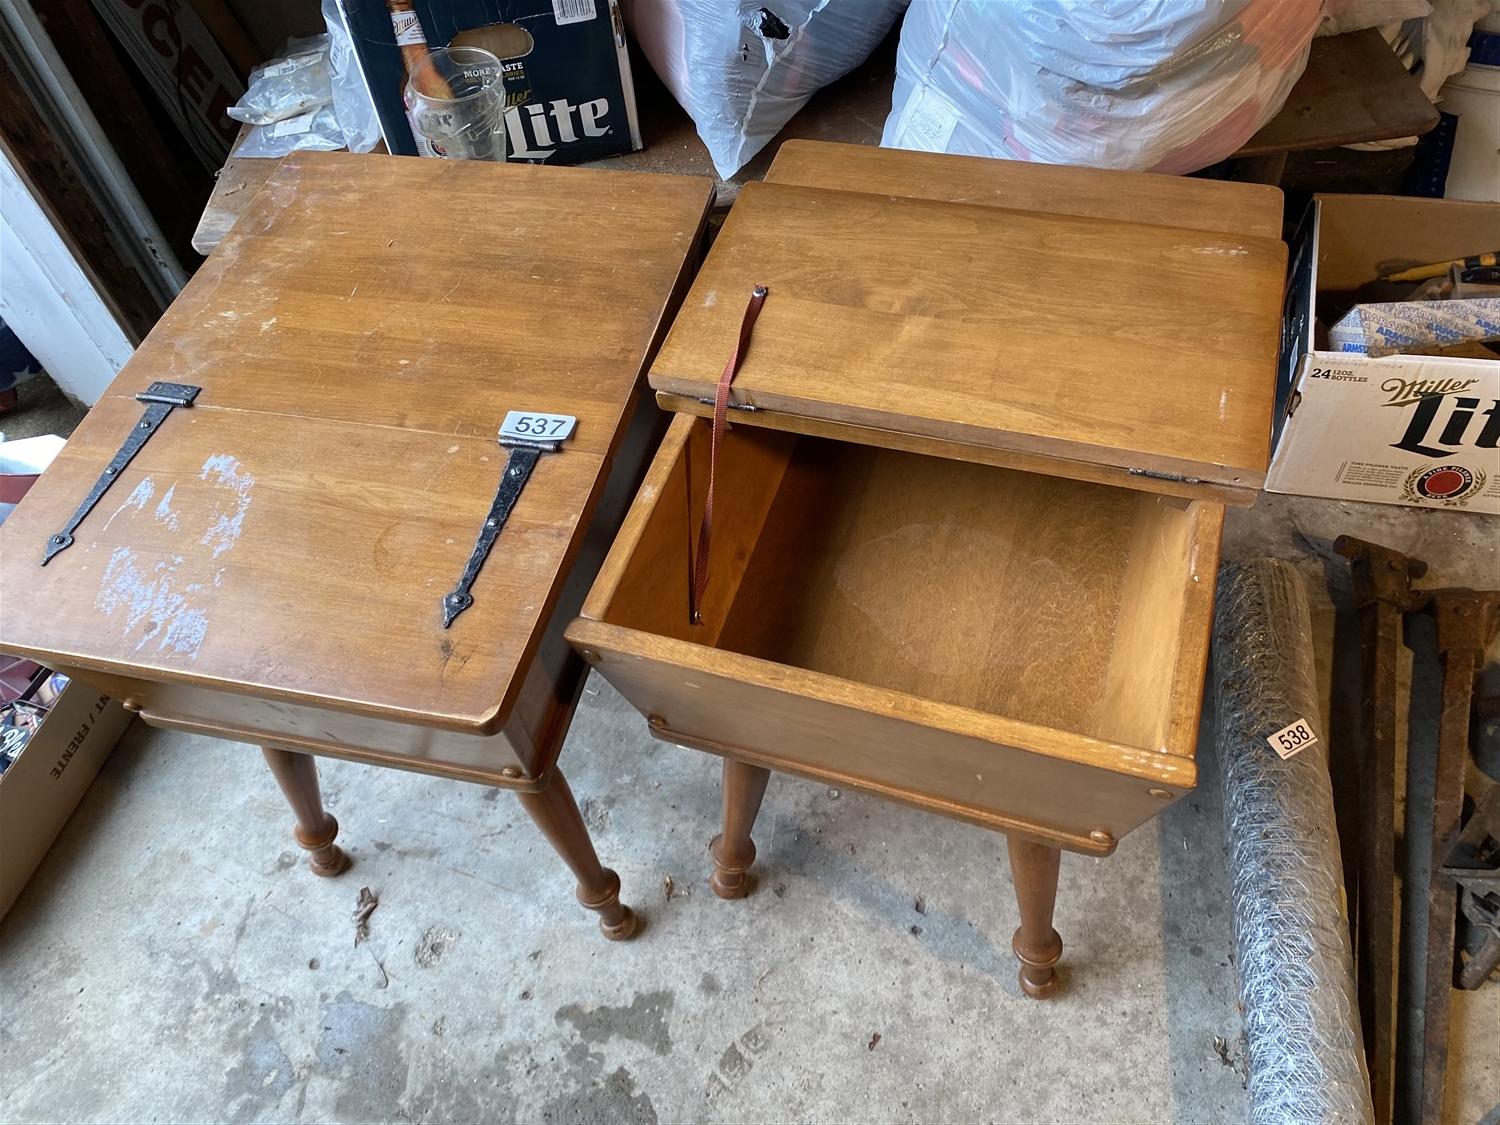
[1018, 650]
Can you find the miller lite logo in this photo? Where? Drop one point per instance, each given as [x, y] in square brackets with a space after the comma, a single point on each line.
[1445, 484]
[1442, 417]
[534, 131]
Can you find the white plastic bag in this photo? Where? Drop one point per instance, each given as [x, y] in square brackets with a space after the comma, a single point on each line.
[1159, 85]
[317, 130]
[1343, 16]
[743, 68]
[351, 101]
[288, 86]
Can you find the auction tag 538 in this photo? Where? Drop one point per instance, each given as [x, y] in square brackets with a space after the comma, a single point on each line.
[529, 425]
[1292, 738]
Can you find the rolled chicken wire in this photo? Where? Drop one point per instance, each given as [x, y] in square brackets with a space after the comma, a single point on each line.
[1306, 1061]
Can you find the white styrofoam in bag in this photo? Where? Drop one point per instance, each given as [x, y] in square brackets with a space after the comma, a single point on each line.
[1159, 85]
[743, 68]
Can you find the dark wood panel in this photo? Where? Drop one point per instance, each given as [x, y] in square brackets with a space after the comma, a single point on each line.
[55, 183]
[172, 183]
[1353, 90]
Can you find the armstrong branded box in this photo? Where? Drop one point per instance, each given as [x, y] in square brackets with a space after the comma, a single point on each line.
[568, 90]
[1399, 429]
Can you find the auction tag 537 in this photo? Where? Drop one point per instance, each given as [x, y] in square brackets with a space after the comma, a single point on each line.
[1292, 738]
[529, 425]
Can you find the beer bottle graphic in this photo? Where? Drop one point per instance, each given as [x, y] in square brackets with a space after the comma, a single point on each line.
[412, 42]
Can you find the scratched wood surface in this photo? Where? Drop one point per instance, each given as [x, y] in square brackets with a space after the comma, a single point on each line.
[234, 189]
[1062, 189]
[359, 336]
[1144, 347]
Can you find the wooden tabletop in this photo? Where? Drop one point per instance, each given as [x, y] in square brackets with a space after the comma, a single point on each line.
[1142, 347]
[359, 336]
[1353, 90]
[236, 185]
[1059, 189]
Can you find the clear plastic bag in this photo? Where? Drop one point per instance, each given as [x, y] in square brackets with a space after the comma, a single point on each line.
[743, 69]
[289, 86]
[317, 130]
[351, 101]
[1158, 85]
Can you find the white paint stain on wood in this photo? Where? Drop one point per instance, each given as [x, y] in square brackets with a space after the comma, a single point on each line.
[138, 499]
[223, 470]
[151, 601]
[167, 599]
[1218, 249]
[164, 512]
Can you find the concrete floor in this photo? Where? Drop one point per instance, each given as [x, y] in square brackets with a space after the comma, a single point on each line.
[174, 960]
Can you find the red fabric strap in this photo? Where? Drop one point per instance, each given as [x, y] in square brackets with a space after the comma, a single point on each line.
[721, 411]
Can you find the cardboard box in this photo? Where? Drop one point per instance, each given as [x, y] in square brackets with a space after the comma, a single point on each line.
[1399, 429]
[569, 93]
[45, 783]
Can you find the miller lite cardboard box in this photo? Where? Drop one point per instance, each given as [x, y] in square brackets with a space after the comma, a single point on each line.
[569, 97]
[1395, 429]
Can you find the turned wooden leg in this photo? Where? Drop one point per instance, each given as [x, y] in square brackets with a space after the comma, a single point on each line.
[1037, 946]
[556, 814]
[297, 774]
[733, 851]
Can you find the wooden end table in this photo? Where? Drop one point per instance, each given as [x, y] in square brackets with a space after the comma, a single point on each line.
[274, 564]
[970, 494]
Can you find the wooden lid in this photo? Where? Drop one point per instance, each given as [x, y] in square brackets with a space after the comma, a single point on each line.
[1150, 349]
[358, 337]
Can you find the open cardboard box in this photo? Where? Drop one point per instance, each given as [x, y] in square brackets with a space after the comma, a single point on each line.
[1399, 429]
[41, 788]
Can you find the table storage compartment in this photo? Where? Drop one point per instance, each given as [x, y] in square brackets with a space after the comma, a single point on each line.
[1025, 651]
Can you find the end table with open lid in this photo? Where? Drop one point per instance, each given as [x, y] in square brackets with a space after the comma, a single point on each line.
[276, 561]
[969, 500]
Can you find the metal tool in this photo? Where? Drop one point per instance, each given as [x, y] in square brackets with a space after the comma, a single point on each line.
[1383, 592]
[1474, 864]
[160, 398]
[518, 467]
[1466, 621]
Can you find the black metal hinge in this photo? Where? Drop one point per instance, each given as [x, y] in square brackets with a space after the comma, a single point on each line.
[161, 399]
[518, 467]
[1153, 474]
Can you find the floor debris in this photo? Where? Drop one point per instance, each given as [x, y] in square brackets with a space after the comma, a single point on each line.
[364, 906]
[432, 945]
